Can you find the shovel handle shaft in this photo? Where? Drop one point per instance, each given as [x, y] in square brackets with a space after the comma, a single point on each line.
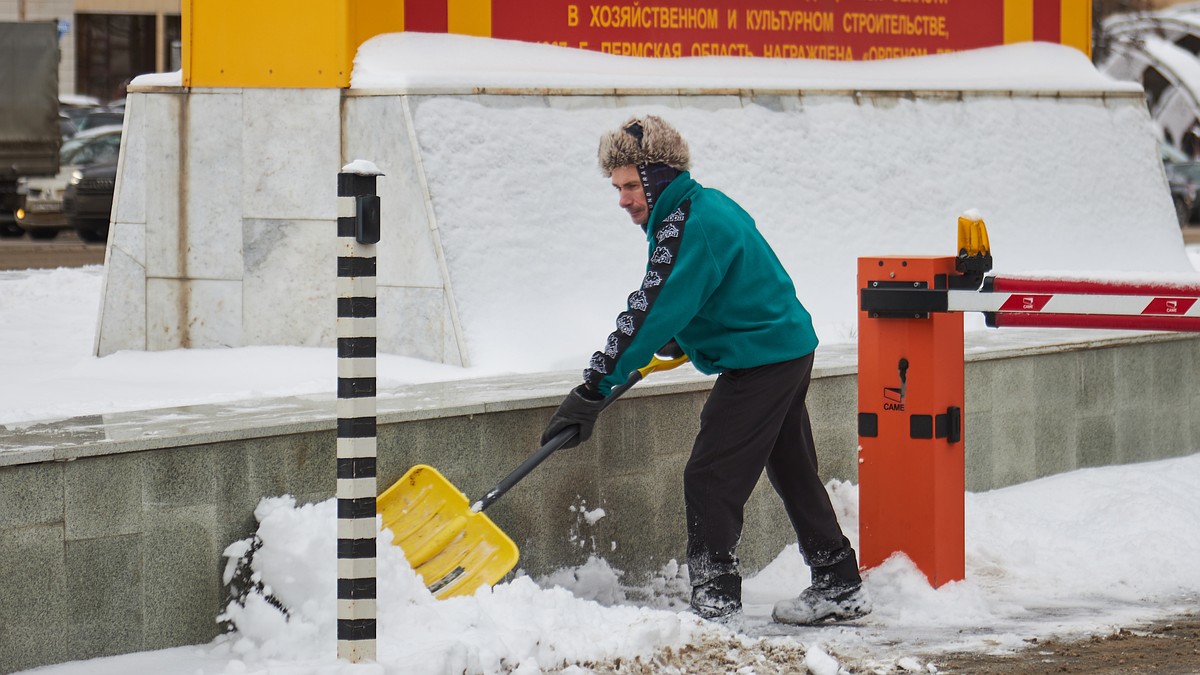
[551, 446]
[560, 439]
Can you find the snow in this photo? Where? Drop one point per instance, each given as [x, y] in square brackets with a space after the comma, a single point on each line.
[1063, 184]
[170, 79]
[49, 372]
[362, 167]
[396, 61]
[820, 663]
[1073, 554]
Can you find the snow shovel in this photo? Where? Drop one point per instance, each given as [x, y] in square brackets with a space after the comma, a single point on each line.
[449, 541]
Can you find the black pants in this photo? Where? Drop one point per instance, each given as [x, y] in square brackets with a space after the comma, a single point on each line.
[756, 418]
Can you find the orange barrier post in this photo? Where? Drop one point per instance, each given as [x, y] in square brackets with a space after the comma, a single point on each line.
[910, 422]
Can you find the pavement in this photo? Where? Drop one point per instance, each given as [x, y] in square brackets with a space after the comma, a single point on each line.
[1191, 234]
[66, 250]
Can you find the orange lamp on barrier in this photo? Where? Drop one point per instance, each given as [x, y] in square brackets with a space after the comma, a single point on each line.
[910, 422]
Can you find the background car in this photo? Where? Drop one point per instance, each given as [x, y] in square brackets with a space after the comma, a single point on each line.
[9, 226]
[66, 126]
[101, 118]
[42, 215]
[1182, 195]
[1184, 181]
[88, 200]
[1183, 192]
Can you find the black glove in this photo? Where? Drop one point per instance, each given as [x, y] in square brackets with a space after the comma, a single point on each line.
[580, 408]
[671, 350]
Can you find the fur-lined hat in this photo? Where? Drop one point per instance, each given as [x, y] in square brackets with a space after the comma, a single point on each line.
[643, 140]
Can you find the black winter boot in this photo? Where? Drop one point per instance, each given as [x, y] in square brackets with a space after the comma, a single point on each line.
[836, 594]
[719, 598]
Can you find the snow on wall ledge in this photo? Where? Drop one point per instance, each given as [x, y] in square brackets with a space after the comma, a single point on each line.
[423, 61]
[503, 246]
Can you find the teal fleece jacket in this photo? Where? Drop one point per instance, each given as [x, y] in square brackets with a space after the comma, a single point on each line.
[714, 285]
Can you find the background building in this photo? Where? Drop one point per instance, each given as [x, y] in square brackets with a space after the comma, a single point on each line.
[105, 43]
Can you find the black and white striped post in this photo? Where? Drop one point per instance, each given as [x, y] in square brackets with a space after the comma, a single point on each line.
[358, 232]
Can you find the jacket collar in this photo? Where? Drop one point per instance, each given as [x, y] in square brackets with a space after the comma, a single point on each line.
[669, 200]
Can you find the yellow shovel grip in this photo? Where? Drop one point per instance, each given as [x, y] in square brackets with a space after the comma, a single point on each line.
[662, 364]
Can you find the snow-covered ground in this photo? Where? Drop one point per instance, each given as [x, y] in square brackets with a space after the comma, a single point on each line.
[1074, 554]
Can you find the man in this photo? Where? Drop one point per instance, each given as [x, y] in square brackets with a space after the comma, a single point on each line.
[715, 291]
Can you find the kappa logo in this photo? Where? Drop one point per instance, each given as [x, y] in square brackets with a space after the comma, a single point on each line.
[661, 256]
[610, 347]
[597, 363]
[625, 324]
[652, 280]
[638, 301]
[676, 217]
[666, 232]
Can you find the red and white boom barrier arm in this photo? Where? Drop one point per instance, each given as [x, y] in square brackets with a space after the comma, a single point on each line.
[1070, 303]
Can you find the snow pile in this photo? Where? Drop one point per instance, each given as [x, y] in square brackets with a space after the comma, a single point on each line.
[1066, 556]
[541, 259]
[423, 60]
[1069, 554]
[514, 626]
[1059, 189]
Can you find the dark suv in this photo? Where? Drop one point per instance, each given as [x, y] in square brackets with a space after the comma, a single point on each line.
[88, 200]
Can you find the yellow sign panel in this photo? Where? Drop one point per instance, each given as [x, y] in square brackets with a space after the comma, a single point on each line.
[1077, 25]
[270, 43]
[469, 17]
[1018, 21]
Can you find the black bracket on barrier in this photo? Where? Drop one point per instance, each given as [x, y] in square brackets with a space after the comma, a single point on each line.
[971, 270]
[902, 300]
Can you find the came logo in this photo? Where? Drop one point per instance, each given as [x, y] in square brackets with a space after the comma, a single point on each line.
[1176, 306]
[1025, 303]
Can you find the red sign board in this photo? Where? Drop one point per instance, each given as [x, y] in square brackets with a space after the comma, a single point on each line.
[821, 29]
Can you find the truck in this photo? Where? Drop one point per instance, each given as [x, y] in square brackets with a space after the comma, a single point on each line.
[30, 137]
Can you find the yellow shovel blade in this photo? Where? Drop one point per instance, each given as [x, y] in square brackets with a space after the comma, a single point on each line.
[453, 549]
